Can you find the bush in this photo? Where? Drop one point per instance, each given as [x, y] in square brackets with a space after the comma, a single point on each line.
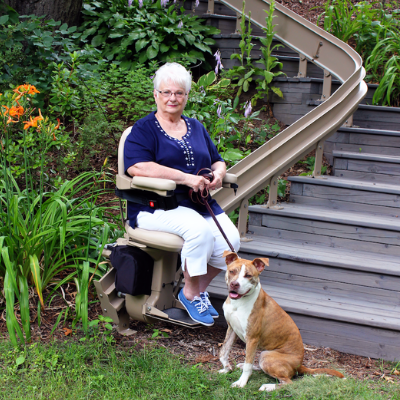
[131, 32]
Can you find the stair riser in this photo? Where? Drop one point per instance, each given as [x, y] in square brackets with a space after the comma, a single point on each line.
[367, 176]
[331, 235]
[344, 205]
[381, 290]
[349, 338]
[347, 195]
[391, 170]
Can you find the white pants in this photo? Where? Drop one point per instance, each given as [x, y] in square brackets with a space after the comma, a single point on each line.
[204, 243]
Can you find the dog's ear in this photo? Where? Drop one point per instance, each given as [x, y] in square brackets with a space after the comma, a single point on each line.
[260, 263]
[229, 257]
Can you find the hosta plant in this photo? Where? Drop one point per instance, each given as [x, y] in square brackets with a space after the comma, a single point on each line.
[138, 31]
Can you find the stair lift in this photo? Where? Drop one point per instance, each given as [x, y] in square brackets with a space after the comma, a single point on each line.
[163, 247]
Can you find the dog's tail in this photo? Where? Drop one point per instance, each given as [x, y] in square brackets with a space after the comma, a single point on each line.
[310, 371]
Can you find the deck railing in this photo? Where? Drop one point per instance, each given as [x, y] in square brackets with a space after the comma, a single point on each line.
[264, 166]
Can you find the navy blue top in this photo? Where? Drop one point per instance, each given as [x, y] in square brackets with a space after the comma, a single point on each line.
[149, 142]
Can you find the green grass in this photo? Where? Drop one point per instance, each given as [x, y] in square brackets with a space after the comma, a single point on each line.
[95, 369]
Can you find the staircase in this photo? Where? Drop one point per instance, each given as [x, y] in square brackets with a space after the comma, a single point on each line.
[334, 249]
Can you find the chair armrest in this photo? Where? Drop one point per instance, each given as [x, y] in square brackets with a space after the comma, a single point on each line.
[230, 178]
[163, 187]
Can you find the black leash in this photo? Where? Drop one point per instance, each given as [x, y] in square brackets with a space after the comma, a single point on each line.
[201, 197]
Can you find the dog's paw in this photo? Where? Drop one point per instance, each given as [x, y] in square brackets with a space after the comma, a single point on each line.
[225, 370]
[239, 384]
[268, 387]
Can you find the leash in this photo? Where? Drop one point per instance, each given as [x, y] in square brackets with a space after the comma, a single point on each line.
[202, 198]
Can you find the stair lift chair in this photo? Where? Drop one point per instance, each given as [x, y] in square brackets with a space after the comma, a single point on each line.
[163, 247]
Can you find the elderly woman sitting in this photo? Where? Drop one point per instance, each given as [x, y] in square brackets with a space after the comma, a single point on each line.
[168, 145]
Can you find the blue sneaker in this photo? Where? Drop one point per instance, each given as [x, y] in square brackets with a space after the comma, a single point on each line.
[205, 297]
[196, 309]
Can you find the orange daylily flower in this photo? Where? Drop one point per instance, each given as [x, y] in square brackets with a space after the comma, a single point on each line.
[58, 125]
[23, 89]
[6, 112]
[33, 122]
[16, 111]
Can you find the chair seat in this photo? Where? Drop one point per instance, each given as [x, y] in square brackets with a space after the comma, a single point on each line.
[155, 239]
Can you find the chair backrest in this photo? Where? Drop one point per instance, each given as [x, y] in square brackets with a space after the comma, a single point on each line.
[121, 165]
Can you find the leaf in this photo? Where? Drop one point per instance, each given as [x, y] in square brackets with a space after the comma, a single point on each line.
[4, 19]
[97, 40]
[202, 47]
[67, 331]
[116, 35]
[57, 322]
[140, 44]
[35, 269]
[20, 360]
[164, 48]
[277, 91]
[232, 155]
[151, 52]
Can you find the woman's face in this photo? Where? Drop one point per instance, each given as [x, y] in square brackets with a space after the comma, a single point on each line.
[170, 105]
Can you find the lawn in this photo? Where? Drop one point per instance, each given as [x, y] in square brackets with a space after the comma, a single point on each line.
[98, 368]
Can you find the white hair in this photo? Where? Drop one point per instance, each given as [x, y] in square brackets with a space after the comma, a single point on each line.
[174, 73]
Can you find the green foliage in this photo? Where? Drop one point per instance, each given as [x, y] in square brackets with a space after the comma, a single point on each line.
[132, 34]
[384, 65]
[228, 129]
[30, 47]
[244, 73]
[365, 22]
[269, 62]
[247, 72]
[309, 163]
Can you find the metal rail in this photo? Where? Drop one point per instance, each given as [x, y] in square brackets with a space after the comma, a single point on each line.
[267, 163]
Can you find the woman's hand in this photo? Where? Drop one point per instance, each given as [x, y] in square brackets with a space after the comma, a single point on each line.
[217, 181]
[197, 182]
[219, 171]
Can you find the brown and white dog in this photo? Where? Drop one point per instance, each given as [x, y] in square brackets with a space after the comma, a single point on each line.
[262, 324]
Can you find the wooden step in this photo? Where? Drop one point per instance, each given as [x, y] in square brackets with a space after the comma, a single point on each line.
[346, 194]
[339, 229]
[345, 324]
[367, 166]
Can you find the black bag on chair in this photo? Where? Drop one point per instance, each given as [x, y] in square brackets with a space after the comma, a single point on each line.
[134, 270]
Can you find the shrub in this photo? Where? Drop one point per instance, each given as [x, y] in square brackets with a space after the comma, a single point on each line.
[129, 32]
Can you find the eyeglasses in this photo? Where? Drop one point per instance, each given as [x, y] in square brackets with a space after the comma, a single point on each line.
[167, 94]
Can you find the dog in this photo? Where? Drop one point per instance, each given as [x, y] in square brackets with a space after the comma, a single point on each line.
[261, 323]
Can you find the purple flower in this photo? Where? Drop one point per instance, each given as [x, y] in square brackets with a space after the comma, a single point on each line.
[219, 111]
[180, 25]
[164, 3]
[197, 3]
[130, 3]
[219, 65]
[247, 110]
[140, 3]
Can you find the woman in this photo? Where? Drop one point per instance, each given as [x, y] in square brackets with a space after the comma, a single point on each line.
[168, 145]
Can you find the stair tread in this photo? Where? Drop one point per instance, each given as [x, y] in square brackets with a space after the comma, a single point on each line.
[384, 132]
[366, 156]
[323, 255]
[348, 184]
[336, 216]
[304, 301]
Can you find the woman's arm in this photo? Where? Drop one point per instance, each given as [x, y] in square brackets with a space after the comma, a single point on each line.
[154, 170]
[219, 169]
